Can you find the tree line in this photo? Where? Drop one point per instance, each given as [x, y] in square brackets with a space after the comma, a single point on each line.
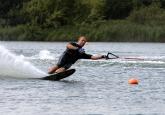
[54, 19]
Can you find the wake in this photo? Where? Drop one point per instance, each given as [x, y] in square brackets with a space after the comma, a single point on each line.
[14, 66]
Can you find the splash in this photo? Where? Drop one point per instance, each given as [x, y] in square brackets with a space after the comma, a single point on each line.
[15, 66]
[45, 54]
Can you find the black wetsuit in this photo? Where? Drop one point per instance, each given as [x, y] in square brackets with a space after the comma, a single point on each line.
[70, 56]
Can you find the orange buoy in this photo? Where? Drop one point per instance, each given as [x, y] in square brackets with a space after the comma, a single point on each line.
[133, 81]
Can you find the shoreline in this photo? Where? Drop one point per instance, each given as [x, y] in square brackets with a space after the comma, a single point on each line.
[107, 31]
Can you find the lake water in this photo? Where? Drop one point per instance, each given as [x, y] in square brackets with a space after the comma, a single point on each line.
[97, 87]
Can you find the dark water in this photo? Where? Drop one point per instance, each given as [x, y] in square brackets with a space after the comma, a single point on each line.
[97, 87]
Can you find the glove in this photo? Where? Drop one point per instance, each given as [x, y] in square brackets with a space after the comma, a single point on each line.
[81, 50]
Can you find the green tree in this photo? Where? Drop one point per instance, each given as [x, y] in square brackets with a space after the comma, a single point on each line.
[10, 11]
[95, 11]
[118, 9]
[151, 15]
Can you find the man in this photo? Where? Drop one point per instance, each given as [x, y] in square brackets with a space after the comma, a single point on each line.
[73, 52]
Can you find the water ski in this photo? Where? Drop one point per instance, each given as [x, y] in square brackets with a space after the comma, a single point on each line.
[59, 76]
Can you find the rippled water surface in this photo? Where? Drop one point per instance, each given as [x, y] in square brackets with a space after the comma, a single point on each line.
[97, 87]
